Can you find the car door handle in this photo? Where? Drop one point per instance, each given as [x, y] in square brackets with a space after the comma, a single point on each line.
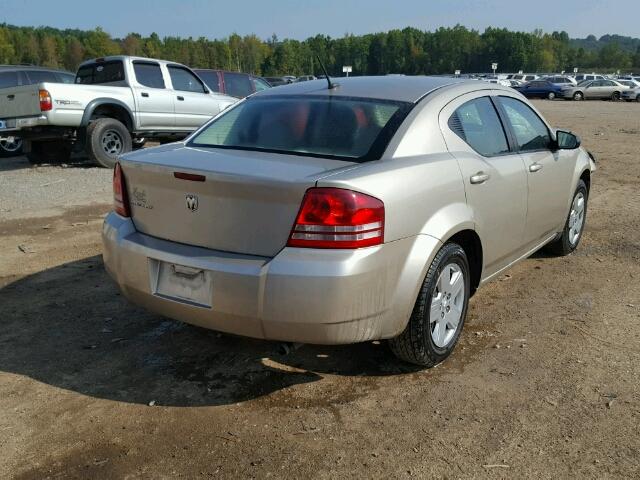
[479, 177]
[11, 97]
[145, 94]
[534, 167]
[180, 98]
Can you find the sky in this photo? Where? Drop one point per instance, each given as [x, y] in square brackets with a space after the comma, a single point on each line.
[301, 19]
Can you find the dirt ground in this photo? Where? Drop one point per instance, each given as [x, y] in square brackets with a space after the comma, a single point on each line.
[544, 383]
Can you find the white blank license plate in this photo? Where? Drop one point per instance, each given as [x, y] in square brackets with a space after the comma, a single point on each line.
[178, 282]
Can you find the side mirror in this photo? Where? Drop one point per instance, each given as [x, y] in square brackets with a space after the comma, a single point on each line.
[566, 140]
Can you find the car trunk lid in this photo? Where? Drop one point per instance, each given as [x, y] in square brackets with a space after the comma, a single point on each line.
[231, 200]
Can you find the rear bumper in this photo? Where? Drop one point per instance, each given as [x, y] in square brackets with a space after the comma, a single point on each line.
[15, 124]
[300, 295]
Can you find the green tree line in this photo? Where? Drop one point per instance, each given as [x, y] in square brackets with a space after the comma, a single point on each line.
[409, 51]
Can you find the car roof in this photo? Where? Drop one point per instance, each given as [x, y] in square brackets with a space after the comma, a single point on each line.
[128, 57]
[397, 88]
[23, 68]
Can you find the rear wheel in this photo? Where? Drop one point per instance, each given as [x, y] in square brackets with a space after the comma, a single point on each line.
[574, 226]
[578, 96]
[638, 98]
[440, 310]
[10, 146]
[47, 151]
[615, 96]
[551, 96]
[107, 138]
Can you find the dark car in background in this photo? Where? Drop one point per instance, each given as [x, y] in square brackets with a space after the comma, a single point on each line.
[540, 89]
[236, 84]
[19, 75]
[277, 81]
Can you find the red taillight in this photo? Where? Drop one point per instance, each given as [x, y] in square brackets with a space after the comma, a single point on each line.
[120, 199]
[338, 218]
[45, 101]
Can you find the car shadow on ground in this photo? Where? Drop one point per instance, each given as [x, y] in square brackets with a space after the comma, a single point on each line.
[20, 163]
[69, 327]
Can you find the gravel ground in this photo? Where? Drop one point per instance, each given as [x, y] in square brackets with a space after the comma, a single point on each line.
[544, 383]
[27, 191]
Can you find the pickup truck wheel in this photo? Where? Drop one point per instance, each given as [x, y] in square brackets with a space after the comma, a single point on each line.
[572, 233]
[440, 310]
[107, 138]
[10, 147]
[47, 151]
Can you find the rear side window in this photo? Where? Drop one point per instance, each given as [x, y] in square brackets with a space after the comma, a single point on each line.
[530, 131]
[37, 76]
[260, 84]
[148, 74]
[185, 81]
[101, 72]
[477, 123]
[210, 77]
[8, 79]
[342, 128]
[237, 85]
[67, 77]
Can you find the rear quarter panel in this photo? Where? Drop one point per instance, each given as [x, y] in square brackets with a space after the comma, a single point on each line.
[70, 100]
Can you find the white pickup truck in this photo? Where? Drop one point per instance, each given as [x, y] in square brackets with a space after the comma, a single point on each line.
[114, 102]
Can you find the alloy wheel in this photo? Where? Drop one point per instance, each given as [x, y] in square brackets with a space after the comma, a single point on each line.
[447, 305]
[576, 218]
[10, 144]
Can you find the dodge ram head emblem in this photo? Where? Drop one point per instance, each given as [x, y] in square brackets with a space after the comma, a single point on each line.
[192, 202]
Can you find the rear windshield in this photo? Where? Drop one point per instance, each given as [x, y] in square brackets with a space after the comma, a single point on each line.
[103, 72]
[344, 128]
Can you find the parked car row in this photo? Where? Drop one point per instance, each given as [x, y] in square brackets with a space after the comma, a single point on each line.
[585, 90]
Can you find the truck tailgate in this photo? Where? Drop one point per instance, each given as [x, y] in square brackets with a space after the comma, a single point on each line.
[21, 101]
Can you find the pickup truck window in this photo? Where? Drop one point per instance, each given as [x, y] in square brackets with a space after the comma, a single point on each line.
[210, 77]
[103, 72]
[237, 84]
[148, 74]
[183, 80]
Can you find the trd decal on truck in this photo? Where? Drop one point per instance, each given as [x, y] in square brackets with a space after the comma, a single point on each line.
[68, 102]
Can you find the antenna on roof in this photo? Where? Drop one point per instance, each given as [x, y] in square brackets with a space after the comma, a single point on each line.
[329, 82]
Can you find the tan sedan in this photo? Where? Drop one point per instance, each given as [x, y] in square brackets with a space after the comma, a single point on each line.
[333, 214]
[595, 89]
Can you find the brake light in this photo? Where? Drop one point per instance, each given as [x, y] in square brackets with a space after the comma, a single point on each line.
[338, 218]
[120, 199]
[45, 101]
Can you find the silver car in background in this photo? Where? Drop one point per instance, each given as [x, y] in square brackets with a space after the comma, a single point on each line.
[595, 89]
[334, 214]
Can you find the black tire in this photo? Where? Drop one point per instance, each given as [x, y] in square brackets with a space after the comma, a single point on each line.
[415, 344]
[47, 151]
[615, 96]
[638, 99]
[551, 96]
[107, 138]
[562, 245]
[578, 96]
[10, 149]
